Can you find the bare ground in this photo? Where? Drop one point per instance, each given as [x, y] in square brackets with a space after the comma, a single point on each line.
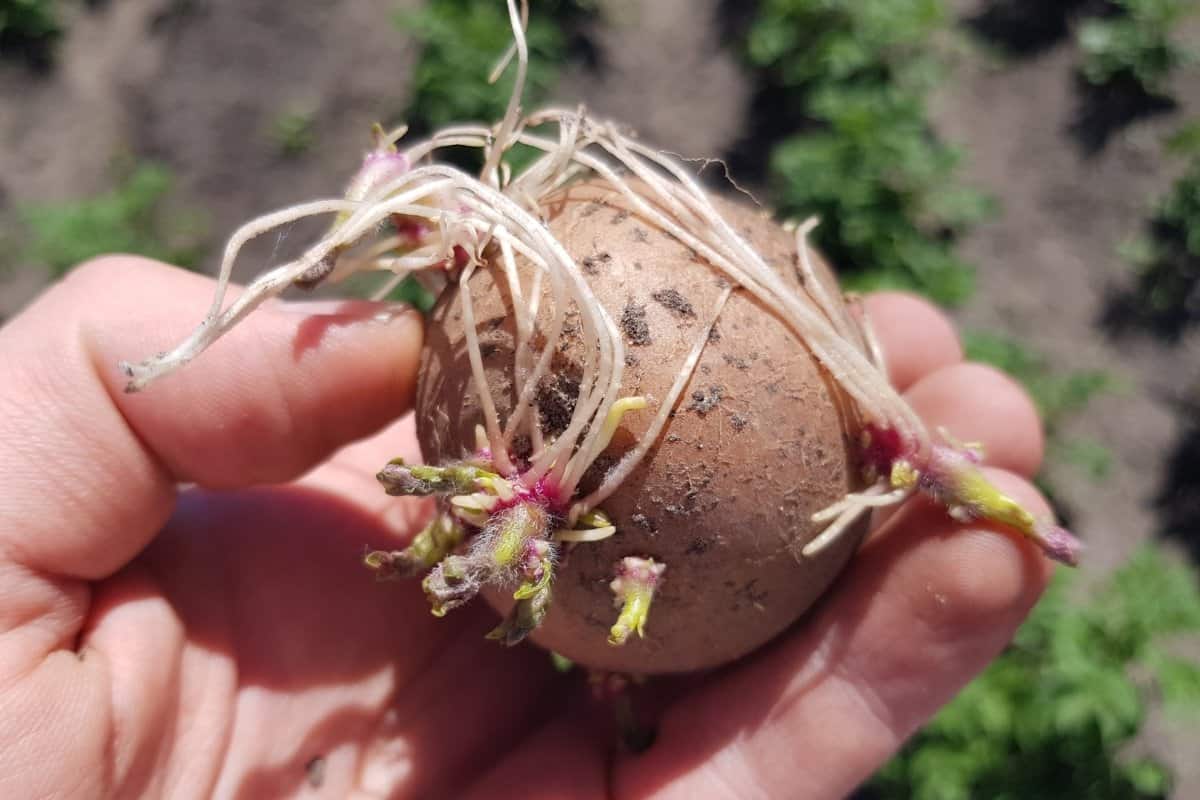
[197, 86]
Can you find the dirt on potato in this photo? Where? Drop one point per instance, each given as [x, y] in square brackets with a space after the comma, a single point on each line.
[758, 441]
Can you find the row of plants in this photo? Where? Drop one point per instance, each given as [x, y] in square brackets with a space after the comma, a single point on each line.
[857, 75]
[1164, 293]
[1056, 714]
[29, 29]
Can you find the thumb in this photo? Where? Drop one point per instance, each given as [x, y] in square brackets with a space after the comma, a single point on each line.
[91, 471]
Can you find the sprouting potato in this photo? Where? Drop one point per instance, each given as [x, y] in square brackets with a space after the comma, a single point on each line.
[654, 427]
[759, 439]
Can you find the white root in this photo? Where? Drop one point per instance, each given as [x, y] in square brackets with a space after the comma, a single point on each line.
[835, 312]
[585, 534]
[844, 513]
[634, 457]
[491, 422]
[499, 213]
[867, 331]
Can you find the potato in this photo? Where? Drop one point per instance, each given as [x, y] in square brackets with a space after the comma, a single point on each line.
[749, 485]
[723, 454]
[760, 440]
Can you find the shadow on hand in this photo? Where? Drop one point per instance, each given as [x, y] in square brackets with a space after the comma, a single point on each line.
[272, 580]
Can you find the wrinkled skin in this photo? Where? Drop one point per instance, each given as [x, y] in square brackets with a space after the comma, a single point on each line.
[213, 642]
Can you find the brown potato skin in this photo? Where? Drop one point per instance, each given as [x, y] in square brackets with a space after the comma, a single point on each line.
[725, 496]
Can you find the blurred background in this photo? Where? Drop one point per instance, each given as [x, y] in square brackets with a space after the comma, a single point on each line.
[1031, 165]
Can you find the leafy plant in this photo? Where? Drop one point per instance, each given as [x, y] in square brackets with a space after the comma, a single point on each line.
[1139, 42]
[1056, 393]
[1166, 296]
[865, 158]
[131, 218]
[292, 132]
[462, 41]
[28, 28]
[1052, 715]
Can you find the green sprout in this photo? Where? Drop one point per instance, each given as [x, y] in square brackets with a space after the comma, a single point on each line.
[633, 588]
[435, 541]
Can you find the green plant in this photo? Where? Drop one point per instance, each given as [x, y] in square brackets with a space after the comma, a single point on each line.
[292, 132]
[1166, 257]
[28, 27]
[462, 41]
[1090, 457]
[1051, 716]
[865, 158]
[1057, 394]
[131, 218]
[1139, 42]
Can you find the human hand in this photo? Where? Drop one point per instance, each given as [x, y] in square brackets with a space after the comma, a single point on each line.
[226, 641]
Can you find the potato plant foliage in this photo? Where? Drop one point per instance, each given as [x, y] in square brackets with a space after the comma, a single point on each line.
[863, 155]
[1165, 295]
[135, 216]
[1054, 714]
[29, 29]
[1139, 41]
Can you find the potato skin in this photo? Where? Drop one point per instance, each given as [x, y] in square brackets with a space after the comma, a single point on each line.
[759, 441]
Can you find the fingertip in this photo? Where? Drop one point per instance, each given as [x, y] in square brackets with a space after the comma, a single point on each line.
[916, 336]
[962, 580]
[979, 403]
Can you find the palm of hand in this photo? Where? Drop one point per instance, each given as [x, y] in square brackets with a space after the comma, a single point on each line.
[326, 678]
